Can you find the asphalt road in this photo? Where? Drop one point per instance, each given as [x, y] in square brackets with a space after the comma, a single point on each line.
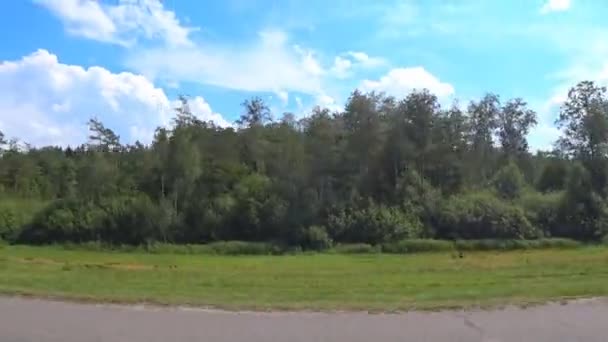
[29, 320]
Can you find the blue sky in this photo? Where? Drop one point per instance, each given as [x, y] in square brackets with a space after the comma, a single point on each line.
[125, 61]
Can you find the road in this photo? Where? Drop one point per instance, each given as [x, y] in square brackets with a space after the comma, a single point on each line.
[32, 320]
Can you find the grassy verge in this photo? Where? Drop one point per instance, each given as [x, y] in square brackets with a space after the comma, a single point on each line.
[320, 281]
[409, 246]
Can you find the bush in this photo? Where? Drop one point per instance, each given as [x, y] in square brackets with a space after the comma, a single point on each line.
[315, 238]
[553, 176]
[417, 245]
[374, 224]
[482, 216]
[558, 243]
[116, 220]
[130, 219]
[241, 248]
[583, 214]
[62, 221]
[542, 210]
[355, 248]
[496, 244]
[15, 215]
[509, 181]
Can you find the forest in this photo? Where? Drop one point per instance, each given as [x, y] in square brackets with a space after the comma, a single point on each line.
[382, 169]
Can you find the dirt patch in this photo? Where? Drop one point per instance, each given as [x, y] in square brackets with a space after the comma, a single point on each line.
[38, 261]
[66, 266]
[130, 267]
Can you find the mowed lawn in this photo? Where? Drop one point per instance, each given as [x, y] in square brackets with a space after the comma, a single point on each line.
[318, 282]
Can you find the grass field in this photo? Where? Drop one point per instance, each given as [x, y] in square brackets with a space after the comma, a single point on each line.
[324, 282]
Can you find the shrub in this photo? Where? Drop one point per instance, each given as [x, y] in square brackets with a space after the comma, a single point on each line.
[542, 210]
[63, 220]
[509, 181]
[558, 243]
[355, 248]
[315, 238]
[481, 215]
[497, 244]
[553, 176]
[374, 224]
[242, 248]
[417, 245]
[583, 214]
[15, 215]
[117, 220]
[130, 219]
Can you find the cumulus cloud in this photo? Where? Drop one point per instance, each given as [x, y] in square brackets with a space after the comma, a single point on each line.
[346, 64]
[268, 64]
[555, 6]
[365, 60]
[341, 67]
[326, 101]
[400, 81]
[46, 102]
[123, 23]
[201, 109]
[283, 96]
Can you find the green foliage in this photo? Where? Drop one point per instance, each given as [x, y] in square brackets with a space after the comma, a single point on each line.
[417, 246]
[16, 214]
[553, 176]
[509, 182]
[355, 248]
[241, 248]
[380, 171]
[583, 214]
[373, 224]
[214, 248]
[482, 215]
[130, 220]
[315, 238]
[542, 210]
[506, 244]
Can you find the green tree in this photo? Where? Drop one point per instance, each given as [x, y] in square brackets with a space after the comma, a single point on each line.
[509, 182]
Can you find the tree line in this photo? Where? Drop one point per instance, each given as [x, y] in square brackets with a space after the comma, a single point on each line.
[382, 169]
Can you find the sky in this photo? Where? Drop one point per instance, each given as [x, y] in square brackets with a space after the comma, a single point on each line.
[126, 62]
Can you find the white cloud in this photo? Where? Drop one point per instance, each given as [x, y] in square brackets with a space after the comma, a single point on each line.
[268, 64]
[555, 6]
[341, 67]
[123, 23]
[201, 109]
[346, 64]
[326, 101]
[46, 102]
[400, 81]
[309, 61]
[546, 133]
[283, 96]
[365, 60]
[543, 136]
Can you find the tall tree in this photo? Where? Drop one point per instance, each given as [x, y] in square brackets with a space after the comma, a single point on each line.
[483, 118]
[103, 137]
[584, 121]
[514, 123]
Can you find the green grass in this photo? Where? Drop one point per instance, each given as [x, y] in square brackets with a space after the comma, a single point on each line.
[376, 282]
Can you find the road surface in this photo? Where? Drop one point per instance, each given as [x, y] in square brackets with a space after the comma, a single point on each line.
[32, 320]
